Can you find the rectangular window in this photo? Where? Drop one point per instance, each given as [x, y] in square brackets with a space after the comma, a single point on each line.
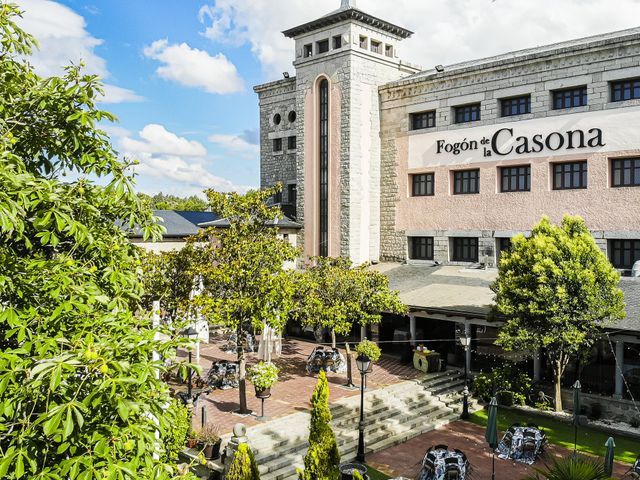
[516, 179]
[388, 50]
[277, 144]
[376, 47]
[291, 143]
[363, 42]
[323, 117]
[422, 184]
[322, 46]
[624, 253]
[467, 113]
[465, 249]
[423, 120]
[292, 193]
[307, 50]
[502, 245]
[421, 248]
[625, 172]
[516, 105]
[337, 42]
[466, 181]
[570, 98]
[625, 90]
[568, 176]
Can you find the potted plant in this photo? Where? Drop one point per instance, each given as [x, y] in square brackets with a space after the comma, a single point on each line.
[192, 440]
[209, 441]
[263, 376]
[370, 349]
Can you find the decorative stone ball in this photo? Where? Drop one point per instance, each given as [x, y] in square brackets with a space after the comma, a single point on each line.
[239, 430]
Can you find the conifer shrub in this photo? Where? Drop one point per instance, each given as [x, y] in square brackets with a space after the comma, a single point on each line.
[244, 466]
[322, 460]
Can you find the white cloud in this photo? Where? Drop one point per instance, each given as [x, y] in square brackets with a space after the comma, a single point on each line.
[157, 139]
[113, 94]
[237, 145]
[64, 40]
[446, 31]
[195, 68]
[176, 161]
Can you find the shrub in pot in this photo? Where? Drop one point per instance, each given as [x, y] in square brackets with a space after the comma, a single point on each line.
[263, 376]
[209, 441]
[370, 349]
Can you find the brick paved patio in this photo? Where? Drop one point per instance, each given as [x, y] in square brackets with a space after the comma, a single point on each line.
[404, 459]
[293, 391]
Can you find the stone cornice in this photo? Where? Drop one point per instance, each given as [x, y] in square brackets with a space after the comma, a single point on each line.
[279, 87]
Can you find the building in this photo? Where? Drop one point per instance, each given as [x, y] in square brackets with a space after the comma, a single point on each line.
[433, 171]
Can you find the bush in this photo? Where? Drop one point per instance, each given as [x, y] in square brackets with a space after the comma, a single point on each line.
[244, 466]
[322, 460]
[370, 349]
[569, 468]
[176, 437]
[635, 421]
[263, 375]
[512, 384]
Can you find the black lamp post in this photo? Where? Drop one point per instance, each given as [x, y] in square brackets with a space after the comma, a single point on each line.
[465, 341]
[576, 415]
[363, 362]
[190, 333]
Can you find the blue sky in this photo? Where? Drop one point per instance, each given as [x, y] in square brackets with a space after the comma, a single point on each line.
[179, 73]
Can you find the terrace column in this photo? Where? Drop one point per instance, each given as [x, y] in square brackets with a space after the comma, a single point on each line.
[467, 358]
[412, 329]
[536, 365]
[619, 366]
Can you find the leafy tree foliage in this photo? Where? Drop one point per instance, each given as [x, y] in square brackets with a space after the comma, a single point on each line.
[242, 270]
[244, 466]
[322, 460]
[556, 290]
[161, 201]
[79, 394]
[334, 293]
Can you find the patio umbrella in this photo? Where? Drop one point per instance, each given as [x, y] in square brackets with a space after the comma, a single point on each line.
[576, 414]
[265, 346]
[608, 457]
[491, 434]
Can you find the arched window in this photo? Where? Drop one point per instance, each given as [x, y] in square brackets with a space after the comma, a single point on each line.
[324, 167]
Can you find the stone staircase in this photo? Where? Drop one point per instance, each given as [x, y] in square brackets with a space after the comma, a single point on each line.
[394, 415]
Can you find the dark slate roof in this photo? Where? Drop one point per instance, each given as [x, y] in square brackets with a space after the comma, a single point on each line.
[284, 222]
[180, 224]
[464, 291]
[348, 13]
[631, 289]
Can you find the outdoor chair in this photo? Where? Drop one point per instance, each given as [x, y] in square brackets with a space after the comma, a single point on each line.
[429, 466]
[452, 470]
[529, 434]
[441, 447]
[462, 454]
[533, 425]
[512, 429]
[528, 448]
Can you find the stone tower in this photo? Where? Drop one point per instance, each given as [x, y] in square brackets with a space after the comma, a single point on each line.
[340, 59]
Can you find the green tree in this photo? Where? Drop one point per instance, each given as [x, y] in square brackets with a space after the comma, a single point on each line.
[242, 270]
[556, 290]
[79, 394]
[244, 466]
[161, 201]
[322, 460]
[334, 293]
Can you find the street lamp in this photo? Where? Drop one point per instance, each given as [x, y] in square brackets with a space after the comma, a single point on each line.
[363, 362]
[465, 341]
[576, 415]
[190, 333]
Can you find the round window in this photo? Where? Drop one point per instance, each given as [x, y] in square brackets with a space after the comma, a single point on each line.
[276, 119]
[292, 116]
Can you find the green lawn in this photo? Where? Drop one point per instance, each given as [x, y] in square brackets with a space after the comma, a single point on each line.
[589, 440]
[375, 474]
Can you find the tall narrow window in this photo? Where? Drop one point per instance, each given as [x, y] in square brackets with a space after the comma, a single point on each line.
[324, 168]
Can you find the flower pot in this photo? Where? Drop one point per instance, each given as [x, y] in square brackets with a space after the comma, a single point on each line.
[192, 443]
[211, 451]
[347, 469]
[264, 393]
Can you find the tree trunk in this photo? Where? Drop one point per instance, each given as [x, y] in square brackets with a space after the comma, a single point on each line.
[557, 388]
[333, 338]
[242, 373]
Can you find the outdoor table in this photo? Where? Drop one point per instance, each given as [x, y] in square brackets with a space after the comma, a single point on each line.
[636, 467]
[327, 359]
[223, 375]
[515, 451]
[440, 456]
